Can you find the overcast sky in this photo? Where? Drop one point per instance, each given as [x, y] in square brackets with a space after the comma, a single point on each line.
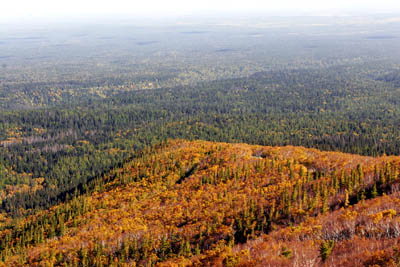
[43, 9]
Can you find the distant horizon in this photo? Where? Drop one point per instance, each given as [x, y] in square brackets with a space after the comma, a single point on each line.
[24, 11]
[199, 18]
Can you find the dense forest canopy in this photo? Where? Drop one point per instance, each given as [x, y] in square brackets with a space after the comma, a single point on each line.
[79, 102]
[218, 204]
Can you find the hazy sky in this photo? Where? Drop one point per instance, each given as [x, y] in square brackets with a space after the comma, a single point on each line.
[35, 9]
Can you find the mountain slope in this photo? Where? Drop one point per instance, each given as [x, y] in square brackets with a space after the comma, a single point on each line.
[204, 203]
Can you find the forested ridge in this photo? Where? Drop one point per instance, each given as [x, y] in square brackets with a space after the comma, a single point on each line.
[69, 145]
[214, 204]
[201, 144]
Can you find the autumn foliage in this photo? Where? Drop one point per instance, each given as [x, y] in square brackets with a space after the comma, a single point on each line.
[217, 204]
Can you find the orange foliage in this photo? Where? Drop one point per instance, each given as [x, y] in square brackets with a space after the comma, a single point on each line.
[221, 204]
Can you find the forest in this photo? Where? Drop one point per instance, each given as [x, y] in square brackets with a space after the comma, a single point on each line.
[220, 204]
[288, 138]
[67, 146]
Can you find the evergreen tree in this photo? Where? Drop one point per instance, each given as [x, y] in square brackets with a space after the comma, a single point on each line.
[325, 249]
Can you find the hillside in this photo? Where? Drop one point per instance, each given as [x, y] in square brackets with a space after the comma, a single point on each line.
[47, 152]
[214, 204]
